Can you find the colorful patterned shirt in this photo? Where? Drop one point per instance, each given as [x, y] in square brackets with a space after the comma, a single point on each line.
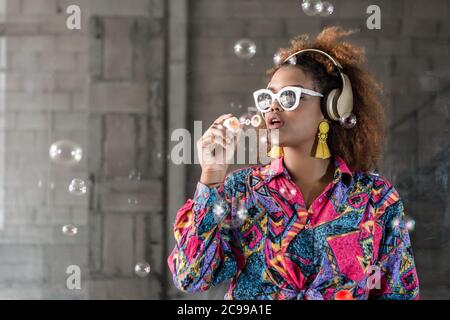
[351, 243]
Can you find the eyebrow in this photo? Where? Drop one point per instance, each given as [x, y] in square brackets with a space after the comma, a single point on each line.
[289, 85]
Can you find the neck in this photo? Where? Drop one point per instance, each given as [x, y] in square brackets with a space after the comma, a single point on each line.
[305, 168]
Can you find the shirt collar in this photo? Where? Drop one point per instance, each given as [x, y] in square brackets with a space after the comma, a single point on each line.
[276, 168]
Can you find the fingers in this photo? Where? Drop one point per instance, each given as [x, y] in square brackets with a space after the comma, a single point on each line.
[215, 138]
[212, 137]
[222, 118]
[216, 142]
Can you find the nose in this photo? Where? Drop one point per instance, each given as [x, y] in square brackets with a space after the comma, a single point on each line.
[275, 106]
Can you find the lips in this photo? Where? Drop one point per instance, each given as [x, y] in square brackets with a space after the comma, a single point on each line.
[274, 121]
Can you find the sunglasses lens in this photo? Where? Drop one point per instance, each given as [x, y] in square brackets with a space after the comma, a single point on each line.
[288, 98]
[264, 101]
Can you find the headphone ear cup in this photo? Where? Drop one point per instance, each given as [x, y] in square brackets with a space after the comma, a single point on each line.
[331, 103]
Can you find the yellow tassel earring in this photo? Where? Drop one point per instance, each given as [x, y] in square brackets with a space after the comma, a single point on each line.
[322, 151]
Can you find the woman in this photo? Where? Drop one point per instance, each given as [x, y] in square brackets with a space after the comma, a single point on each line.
[318, 222]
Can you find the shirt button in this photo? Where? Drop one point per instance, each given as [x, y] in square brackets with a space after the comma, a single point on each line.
[307, 226]
[320, 199]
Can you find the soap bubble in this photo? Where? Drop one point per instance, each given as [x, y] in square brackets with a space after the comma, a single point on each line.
[318, 6]
[348, 121]
[312, 7]
[442, 105]
[240, 218]
[327, 9]
[396, 223]
[77, 187]
[429, 81]
[288, 192]
[277, 59]
[65, 152]
[245, 49]
[410, 223]
[69, 230]
[142, 269]
[220, 211]
[256, 120]
[134, 175]
[245, 120]
[133, 201]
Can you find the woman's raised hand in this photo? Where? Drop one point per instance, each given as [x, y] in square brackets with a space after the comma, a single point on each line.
[216, 149]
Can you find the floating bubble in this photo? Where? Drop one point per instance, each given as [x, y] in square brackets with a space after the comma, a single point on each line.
[312, 7]
[429, 81]
[256, 120]
[142, 269]
[77, 187]
[245, 120]
[219, 211]
[288, 192]
[232, 124]
[277, 59]
[348, 121]
[293, 60]
[410, 223]
[133, 201]
[240, 218]
[318, 6]
[327, 9]
[65, 152]
[69, 230]
[442, 105]
[134, 175]
[245, 49]
[396, 223]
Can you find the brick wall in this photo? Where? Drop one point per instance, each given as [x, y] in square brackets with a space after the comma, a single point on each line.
[98, 86]
[408, 55]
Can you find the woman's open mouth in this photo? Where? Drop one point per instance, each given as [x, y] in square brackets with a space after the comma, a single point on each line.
[274, 121]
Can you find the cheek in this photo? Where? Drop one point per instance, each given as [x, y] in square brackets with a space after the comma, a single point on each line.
[305, 120]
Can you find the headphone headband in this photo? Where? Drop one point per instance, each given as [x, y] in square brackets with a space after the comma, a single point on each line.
[339, 102]
[336, 63]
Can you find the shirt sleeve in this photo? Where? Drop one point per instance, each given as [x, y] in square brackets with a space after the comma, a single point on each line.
[203, 255]
[398, 275]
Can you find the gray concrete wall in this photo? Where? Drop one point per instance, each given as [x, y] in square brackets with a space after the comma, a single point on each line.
[99, 87]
